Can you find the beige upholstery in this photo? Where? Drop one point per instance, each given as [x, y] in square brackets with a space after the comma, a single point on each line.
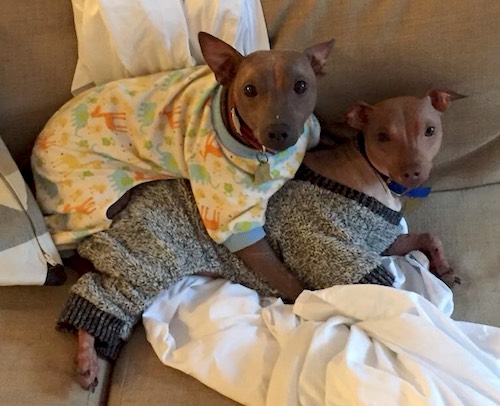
[383, 48]
[388, 48]
[36, 366]
[468, 222]
[38, 48]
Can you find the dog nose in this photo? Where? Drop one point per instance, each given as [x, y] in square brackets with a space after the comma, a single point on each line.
[413, 174]
[279, 137]
[278, 132]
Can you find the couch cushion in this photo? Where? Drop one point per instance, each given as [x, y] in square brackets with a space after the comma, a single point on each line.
[468, 221]
[36, 360]
[38, 46]
[139, 378]
[395, 47]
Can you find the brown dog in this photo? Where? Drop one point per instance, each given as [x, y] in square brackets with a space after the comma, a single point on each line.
[266, 103]
[393, 155]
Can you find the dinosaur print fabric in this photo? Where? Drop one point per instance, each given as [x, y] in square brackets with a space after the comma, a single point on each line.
[113, 137]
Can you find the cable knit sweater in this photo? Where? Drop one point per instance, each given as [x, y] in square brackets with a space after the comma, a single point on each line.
[324, 232]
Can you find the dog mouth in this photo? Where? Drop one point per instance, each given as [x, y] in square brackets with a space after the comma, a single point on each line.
[273, 138]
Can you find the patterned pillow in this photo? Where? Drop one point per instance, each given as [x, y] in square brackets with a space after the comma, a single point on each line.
[28, 255]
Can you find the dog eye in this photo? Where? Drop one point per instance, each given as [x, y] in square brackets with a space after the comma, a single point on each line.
[250, 91]
[429, 132]
[300, 87]
[383, 137]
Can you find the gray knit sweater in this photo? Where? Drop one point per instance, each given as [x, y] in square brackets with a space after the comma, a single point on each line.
[325, 233]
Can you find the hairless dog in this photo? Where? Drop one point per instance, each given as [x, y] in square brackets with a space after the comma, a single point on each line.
[390, 158]
[237, 141]
[306, 226]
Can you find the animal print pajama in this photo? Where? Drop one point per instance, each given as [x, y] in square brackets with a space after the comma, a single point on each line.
[169, 125]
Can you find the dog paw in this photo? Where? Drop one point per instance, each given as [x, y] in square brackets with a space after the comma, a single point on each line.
[86, 361]
[447, 275]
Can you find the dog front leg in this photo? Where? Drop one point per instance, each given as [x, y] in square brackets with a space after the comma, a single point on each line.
[432, 247]
[262, 260]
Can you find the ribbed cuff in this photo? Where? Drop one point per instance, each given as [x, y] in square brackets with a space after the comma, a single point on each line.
[244, 239]
[379, 276]
[80, 314]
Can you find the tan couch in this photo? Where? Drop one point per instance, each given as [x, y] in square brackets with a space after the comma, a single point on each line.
[383, 48]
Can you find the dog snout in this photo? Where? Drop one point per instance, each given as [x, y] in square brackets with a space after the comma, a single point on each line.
[279, 137]
[413, 175]
[278, 132]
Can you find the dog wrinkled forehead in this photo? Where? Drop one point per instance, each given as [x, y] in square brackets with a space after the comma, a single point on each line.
[258, 65]
[406, 110]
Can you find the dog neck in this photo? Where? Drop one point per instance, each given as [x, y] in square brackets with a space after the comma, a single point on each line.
[235, 124]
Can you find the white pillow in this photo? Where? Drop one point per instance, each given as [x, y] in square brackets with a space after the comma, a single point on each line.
[119, 39]
[28, 255]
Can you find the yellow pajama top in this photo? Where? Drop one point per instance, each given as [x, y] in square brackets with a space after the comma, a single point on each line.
[113, 137]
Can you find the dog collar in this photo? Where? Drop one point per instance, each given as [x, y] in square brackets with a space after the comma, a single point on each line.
[240, 128]
[400, 190]
[247, 138]
[396, 188]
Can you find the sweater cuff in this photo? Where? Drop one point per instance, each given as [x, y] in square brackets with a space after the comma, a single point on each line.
[378, 276]
[80, 314]
[242, 240]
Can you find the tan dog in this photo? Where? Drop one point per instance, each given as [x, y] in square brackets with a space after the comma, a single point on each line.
[399, 138]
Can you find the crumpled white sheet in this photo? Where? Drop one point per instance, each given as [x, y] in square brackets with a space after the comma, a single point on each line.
[346, 345]
[119, 39]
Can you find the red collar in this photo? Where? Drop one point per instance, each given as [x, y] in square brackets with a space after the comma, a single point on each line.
[239, 128]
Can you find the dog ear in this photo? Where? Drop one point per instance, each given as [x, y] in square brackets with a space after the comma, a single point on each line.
[221, 57]
[318, 54]
[357, 115]
[441, 98]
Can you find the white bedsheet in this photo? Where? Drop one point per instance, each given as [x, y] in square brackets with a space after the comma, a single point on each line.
[346, 345]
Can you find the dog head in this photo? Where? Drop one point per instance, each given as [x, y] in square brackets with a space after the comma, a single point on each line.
[403, 134]
[273, 92]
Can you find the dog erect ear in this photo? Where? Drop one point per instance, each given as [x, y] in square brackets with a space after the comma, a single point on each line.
[357, 115]
[318, 54]
[441, 99]
[221, 57]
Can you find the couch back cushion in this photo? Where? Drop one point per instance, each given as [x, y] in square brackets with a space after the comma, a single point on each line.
[38, 46]
[388, 48]
[383, 48]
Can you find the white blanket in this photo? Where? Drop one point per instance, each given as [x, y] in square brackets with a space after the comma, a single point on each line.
[346, 345]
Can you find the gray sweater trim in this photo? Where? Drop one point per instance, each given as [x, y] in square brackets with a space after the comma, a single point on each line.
[391, 216]
[379, 276]
[80, 314]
